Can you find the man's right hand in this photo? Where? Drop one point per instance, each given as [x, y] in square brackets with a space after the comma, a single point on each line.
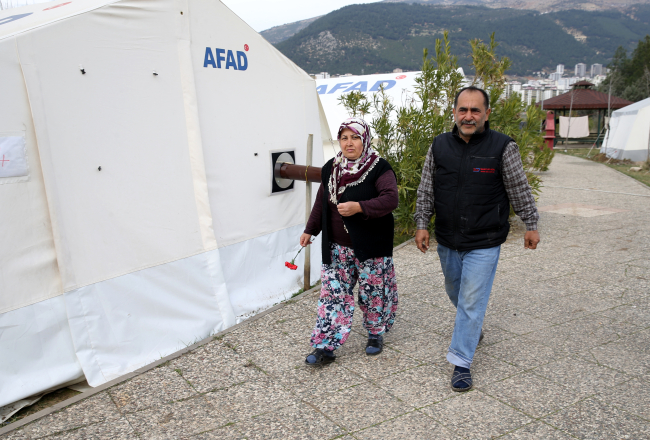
[422, 239]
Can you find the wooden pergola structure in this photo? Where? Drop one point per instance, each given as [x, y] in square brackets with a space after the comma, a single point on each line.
[583, 97]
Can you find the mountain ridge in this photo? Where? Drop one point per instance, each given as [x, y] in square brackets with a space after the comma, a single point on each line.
[379, 37]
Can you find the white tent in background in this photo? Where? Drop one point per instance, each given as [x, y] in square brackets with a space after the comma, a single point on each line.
[628, 136]
[399, 87]
[137, 213]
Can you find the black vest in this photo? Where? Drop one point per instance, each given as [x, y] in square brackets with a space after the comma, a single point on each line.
[470, 200]
[371, 238]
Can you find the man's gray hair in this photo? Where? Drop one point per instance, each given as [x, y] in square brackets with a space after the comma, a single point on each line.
[486, 97]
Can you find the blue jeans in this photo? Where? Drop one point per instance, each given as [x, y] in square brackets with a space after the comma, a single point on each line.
[468, 280]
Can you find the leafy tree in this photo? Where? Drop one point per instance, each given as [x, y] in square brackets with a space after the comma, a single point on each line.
[404, 134]
[630, 77]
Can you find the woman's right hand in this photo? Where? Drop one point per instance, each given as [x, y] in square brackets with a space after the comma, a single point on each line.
[305, 239]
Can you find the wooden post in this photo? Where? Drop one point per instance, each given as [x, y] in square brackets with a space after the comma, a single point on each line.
[307, 273]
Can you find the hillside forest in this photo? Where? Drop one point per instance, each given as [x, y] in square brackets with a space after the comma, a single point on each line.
[379, 37]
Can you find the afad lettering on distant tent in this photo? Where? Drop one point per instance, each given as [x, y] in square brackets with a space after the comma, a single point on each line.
[226, 59]
[361, 86]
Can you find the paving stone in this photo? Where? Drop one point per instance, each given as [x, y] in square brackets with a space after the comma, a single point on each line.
[374, 367]
[426, 347]
[95, 409]
[242, 342]
[594, 420]
[298, 329]
[306, 380]
[118, 429]
[635, 313]
[419, 386]
[226, 433]
[581, 376]
[284, 355]
[175, 420]
[522, 352]
[514, 321]
[214, 366]
[401, 329]
[425, 314]
[486, 369]
[537, 431]
[517, 391]
[632, 396]
[582, 334]
[248, 399]
[568, 308]
[155, 387]
[482, 416]
[411, 426]
[358, 407]
[291, 422]
[630, 355]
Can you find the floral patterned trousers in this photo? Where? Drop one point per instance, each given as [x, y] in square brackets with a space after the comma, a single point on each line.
[377, 297]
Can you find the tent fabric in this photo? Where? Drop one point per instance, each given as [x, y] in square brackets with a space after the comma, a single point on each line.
[142, 218]
[36, 350]
[574, 127]
[399, 87]
[628, 136]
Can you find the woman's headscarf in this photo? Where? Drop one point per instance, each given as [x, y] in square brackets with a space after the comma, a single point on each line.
[346, 172]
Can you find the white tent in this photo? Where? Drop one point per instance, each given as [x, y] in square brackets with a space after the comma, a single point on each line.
[628, 136]
[136, 183]
[399, 87]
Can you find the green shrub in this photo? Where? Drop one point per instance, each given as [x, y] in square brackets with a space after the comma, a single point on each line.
[404, 134]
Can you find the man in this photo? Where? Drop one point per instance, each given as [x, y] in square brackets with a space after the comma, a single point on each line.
[470, 178]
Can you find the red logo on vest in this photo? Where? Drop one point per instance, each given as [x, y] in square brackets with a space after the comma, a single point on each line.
[484, 170]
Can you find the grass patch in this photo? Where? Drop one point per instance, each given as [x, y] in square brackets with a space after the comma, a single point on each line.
[619, 165]
[401, 238]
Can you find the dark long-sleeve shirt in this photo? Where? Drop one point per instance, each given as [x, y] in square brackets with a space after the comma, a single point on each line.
[383, 204]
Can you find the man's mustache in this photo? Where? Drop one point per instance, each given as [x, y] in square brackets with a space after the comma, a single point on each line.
[468, 122]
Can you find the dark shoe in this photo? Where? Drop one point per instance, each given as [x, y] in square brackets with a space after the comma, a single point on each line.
[480, 338]
[320, 357]
[375, 345]
[461, 379]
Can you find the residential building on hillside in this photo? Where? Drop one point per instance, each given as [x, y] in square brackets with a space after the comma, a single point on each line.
[580, 70]
[322, 75]
[596, 69]
[555, 76]
[560, 69]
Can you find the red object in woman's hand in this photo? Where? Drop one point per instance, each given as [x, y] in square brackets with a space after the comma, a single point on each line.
[290, 266]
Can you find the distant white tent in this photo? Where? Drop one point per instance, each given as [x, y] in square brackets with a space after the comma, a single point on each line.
[400, 87]
[628, 136]
[137, 214]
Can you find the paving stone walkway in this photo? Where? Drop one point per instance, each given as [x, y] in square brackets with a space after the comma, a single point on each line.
[566, 352]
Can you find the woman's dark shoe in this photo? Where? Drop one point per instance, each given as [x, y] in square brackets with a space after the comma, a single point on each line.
[375, 345]
[320, 356]
[461, 379]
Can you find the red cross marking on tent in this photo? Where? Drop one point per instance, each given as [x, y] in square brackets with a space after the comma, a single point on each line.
[4, 160]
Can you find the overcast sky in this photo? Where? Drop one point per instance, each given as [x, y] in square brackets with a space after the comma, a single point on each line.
[264, 14]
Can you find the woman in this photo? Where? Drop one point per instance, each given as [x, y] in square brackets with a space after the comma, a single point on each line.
[353, 209]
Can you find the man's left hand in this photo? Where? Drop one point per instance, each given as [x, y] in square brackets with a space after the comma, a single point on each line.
[531, 239]
[349, 208]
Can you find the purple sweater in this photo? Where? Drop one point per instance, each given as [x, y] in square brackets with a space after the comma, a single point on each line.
[383, 204]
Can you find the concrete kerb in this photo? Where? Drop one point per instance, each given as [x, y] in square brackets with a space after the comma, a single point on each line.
[157, 363]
